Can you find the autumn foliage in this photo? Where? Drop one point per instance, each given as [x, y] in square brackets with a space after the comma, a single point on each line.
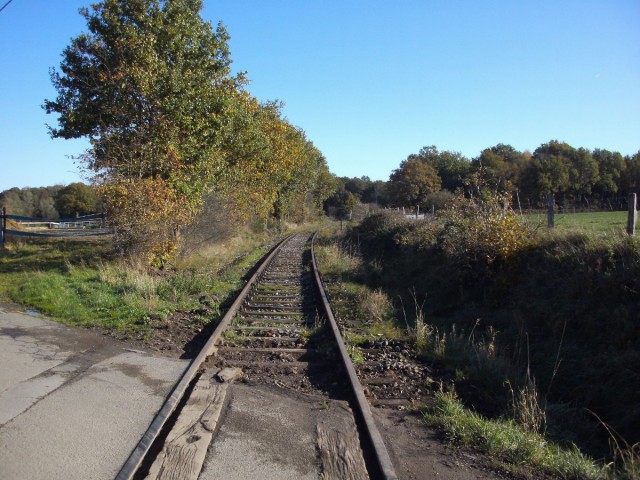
[150, 87]
[145, 215]
[483, 227]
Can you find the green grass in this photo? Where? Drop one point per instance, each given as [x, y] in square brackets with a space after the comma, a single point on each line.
[597, 222]
[83, 284]
[517, 449]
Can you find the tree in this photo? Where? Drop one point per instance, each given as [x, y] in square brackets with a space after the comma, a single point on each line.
[271, 167]
[501, 165]
[376, 192]
[149, 85]
[308, 185]
[631, 181]
[76, 199]
[583, 173]
[548, 170]
[357, 186]
[611, 166]
[451, 167]
[324, 186]
[412, 183]
[31, 202]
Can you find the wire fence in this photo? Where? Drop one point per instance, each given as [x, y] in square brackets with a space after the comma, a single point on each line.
[78, 227]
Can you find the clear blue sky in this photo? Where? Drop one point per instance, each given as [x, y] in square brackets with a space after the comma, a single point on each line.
[373, 81]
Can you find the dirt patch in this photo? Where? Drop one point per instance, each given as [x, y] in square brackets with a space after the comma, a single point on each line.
[179, 335]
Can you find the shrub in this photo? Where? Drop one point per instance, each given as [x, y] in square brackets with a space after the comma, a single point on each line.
[146, 215]
[440, 200]
[483, 228]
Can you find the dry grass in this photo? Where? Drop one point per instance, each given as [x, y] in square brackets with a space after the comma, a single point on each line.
[376, 305]
[337, 262]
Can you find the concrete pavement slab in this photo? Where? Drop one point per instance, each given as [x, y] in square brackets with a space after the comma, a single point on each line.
[74, 403]
[22, 356]
[17, 399]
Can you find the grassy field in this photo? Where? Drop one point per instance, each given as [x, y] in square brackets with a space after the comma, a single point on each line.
[591, 222]
[85, 284]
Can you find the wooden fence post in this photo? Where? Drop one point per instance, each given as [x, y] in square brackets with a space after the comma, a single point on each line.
[4, 226]
[633, 215]
[551, 201]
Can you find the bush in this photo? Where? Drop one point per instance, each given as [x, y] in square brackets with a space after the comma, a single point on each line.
[483, 228]
[146, 215]
[440, 200]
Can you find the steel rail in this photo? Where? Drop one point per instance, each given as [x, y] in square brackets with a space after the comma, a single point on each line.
[381, 454]
[138, 455]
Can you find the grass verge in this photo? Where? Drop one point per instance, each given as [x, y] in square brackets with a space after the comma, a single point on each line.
[588, 222]
[508, 442]
[83, 284]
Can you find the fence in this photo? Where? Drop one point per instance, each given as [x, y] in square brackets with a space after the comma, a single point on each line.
[85, 226]
[632, 218]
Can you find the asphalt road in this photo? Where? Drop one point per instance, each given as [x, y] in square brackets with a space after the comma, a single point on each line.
[73, 403]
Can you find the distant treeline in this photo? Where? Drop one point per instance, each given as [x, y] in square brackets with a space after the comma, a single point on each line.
[56, 201]
[578, 177]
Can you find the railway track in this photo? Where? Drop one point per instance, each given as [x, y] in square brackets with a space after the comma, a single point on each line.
[280, 331]
[278, 334]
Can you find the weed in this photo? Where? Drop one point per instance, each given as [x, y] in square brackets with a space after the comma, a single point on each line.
[353, 338]
[231, 336]
[526, 409]
[336, 261]
[376, 305]
[626, 458]
[625, 464]
[423, 334]
[355, 354]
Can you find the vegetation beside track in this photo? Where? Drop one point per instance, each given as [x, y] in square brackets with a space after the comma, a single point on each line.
[561, 307]
[86, 284]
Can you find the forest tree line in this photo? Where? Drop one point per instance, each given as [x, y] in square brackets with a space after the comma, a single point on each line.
[57, 201]
[578, 178]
